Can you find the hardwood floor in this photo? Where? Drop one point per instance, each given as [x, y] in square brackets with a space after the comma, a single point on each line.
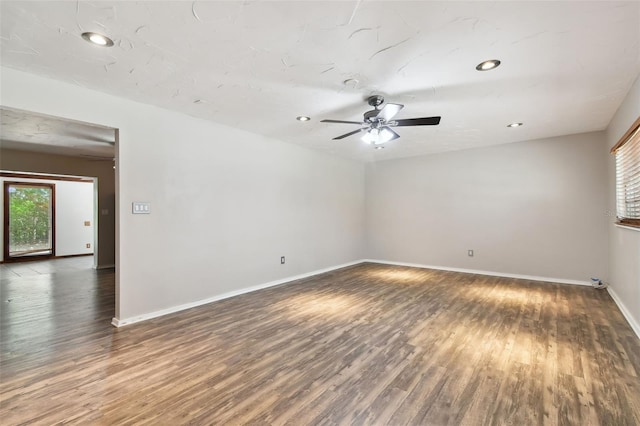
[45, 267]
[369, 344]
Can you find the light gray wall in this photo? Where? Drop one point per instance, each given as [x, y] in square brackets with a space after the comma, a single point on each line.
[74, 207]
[624, 244]
[225, 203]
[529, 208]
[23, 161]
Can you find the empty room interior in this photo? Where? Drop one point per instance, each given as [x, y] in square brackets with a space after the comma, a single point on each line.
[321, 212]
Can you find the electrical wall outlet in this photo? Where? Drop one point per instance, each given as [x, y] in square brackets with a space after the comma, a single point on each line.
[282, 260]
[88, 245]
[470, 253]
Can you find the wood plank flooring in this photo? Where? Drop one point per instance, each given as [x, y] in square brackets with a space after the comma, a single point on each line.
[369, 344]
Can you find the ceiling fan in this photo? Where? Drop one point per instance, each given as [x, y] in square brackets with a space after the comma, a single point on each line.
[378, 122]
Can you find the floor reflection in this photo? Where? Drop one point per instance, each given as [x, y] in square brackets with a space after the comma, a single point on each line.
[51, 305]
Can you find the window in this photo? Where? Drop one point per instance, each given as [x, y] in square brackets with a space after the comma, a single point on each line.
[29, 220]
[627, 152]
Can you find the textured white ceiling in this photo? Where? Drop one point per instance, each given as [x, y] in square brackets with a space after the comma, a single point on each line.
[27, 131]
[566, 66]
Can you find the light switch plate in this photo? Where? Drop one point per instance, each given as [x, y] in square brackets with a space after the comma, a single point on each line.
[138, 207]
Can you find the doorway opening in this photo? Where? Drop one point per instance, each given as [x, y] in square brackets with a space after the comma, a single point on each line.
[48, 216]
[42, 148]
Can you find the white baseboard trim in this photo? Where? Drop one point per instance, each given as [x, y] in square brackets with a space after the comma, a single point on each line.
[119, 323]
[479, 272]
[104, 266]
[126, 321]
[625, 312]
[116, 322]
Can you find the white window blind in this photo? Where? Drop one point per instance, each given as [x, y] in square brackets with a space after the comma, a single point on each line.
[627, 153]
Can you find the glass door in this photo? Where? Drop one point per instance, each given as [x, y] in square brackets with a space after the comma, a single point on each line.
[29, 210]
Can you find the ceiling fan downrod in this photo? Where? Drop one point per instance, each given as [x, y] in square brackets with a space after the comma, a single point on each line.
[375, 102]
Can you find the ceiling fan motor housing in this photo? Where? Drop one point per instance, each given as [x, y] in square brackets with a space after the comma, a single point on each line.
[370, 116]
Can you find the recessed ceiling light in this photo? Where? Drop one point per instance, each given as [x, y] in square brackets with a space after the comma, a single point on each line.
[488, 65]
[514, 125]
[98, 39]
[351, 82]
[303, 118]
[378, 147]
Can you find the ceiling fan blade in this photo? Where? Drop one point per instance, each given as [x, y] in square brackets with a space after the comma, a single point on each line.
[424, 121]
[389, 111]
[341, 121]
[395, 135]
[349, 134]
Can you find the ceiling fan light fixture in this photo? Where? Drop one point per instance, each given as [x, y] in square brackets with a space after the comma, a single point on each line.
[515, 124]
[488, 65]
[97, 39]
[378, 136]
[371, 136]
[303, 118]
